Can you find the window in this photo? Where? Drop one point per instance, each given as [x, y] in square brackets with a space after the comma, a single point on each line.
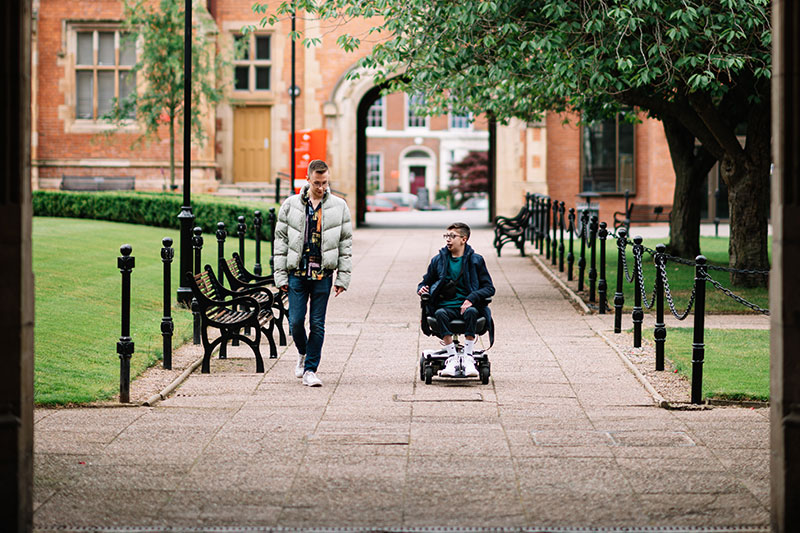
[460, 122]
[416, 119]
[103, 63]
[607, 163]
[374, 173]
[253, 62]
[375, 114]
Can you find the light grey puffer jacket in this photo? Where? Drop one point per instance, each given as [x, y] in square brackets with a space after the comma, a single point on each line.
[337, 237]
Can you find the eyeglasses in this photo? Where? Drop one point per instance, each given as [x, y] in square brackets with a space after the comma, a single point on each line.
[451, 236]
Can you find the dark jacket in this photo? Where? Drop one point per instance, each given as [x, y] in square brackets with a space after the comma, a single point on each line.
[476, 277]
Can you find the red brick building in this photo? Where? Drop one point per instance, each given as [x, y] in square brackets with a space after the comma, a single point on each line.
[79, 65]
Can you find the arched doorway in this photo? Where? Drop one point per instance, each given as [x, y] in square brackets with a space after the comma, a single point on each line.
[346, 116]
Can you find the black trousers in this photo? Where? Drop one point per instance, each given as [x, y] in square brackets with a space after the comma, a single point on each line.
[445, 314]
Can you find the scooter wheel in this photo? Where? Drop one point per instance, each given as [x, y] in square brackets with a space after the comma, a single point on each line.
[428, 375]
[484, 373]
[422, 368]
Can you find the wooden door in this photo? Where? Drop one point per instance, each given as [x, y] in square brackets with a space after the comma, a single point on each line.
[251, 144]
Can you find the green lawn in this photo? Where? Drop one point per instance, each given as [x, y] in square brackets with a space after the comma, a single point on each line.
[680, 277]
[736, 362]
[77, 291]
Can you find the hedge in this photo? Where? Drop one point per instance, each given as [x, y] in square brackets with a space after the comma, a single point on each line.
[151, 209]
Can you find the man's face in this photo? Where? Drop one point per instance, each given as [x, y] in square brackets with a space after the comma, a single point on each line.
[318, 184]
[454, 240]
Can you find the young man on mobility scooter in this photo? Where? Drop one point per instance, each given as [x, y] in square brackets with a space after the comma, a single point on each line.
[457, 286]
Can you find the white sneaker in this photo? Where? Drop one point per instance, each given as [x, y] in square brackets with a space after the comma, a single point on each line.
[470, 370]
[300, 368]
[450, 366]
[310, 379]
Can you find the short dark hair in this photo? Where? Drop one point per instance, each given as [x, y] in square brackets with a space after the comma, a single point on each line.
[317, 165]
[461, 228]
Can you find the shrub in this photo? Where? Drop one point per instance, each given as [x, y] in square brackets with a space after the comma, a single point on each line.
[150, 209]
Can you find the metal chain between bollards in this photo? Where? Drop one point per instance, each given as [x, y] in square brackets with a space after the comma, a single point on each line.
[640, 274]
[668, 294]
[736, 297]
[623, 248]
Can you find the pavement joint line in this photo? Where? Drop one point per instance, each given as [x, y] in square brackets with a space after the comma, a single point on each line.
[657, 398]
[577, 300]
[268, 529]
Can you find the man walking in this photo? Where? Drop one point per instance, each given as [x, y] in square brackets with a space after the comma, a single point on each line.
[313, 238]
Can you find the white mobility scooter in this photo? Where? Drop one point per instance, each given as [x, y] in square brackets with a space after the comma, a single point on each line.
[431, 362]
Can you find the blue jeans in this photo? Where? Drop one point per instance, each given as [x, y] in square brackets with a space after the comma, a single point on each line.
[300, 291]
[445, 314]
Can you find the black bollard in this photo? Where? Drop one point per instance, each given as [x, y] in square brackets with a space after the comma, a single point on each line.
[221, 234]
[638, 314]
[602, 284]
[582, 258]
[570, 254]
[257, 223]
[125, 263]
[542, 224]
[547, 228]
[698, 346]
[554, 254]
[561, 237]
[539, 223]
[273, 219]
[593, 258]
[167, 327]
[241, 229]
[619, 296]
[660, 330]
[197, 245]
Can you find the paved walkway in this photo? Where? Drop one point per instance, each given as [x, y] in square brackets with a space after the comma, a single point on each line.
[563, 436]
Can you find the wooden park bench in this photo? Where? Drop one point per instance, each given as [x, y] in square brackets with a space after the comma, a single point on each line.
[98, 183]
[641, 213]
[240, 278]
[230, 312]
[511, 229]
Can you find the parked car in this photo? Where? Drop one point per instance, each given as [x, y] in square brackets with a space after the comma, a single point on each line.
[401, 199]
[476, 202]
[376, 204]
[433, 206]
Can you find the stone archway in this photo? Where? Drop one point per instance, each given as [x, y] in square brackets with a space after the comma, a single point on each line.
[345, 117]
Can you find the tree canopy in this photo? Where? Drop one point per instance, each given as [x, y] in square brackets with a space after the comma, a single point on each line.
[701, 67]
[158, 33]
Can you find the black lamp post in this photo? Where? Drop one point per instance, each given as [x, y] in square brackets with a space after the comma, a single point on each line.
[293, 94]
[186, 217]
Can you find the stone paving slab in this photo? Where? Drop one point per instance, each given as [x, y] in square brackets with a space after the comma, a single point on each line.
[563, 437]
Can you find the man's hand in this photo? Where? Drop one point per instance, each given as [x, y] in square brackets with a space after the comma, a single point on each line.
[337, 291]
[466, 305]
[285, 288]
[423, 290]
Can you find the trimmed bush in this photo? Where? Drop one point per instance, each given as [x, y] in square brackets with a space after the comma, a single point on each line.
[151, 209]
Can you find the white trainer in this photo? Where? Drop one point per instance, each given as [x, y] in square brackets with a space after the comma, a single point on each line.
[310, 379]
[300, 368]
[450, 366]
[470, 370]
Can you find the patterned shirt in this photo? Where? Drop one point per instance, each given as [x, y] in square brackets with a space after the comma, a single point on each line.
[311, 262]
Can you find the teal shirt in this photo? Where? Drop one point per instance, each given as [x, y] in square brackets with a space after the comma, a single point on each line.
[453, 270]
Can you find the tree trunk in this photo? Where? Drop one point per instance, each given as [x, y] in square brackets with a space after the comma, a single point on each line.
[747, 177]
[691, 165]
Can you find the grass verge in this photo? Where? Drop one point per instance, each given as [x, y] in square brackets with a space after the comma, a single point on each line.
[77, 294]
[736, 361]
